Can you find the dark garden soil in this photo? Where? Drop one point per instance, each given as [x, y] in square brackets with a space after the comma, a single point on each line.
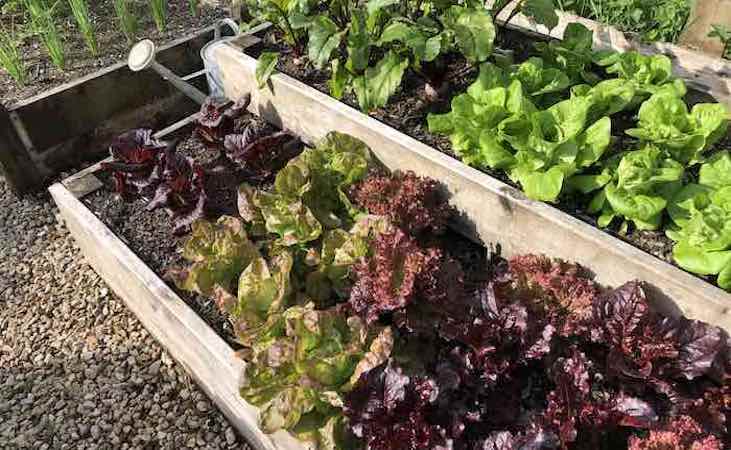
[149, 234]
[113, 46]
[409, 107]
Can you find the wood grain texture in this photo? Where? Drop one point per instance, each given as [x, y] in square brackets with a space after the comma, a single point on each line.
[704, 14]
[207, 357]
[492, 211]
[702, 72]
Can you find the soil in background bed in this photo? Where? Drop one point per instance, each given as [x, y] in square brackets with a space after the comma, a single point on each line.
[409, 107]
[113, 46]
[149, 234]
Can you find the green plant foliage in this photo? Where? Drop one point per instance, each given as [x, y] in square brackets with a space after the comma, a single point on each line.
[665, 121]
[126, 18]
[80, 10]
[10, 57]
[159, 10]
[723, 33]
[42, 24]
[657, 20]
[346, 36]
[636, 186]
[496, 125]
[378, 83]
[194, 7]
[573, 55]
[650, 74]
[289, 16]
[265, 67]
[218, 253]
[701, 214]
[301, 361]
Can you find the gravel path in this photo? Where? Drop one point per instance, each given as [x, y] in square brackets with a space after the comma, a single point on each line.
[77, 370]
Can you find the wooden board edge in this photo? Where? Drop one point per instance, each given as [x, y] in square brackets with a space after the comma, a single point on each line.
[188, 339]
[716, 303]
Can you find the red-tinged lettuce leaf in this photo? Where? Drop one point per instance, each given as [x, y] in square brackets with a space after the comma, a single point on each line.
[216, 120]
[397, 272]
[534, 439]
[582, 406]
[181, 190]
[134, 161]
[389, 410]
[260, 157]
[218, 253]
[681, 433]
[417, 205]
[565, 288]
[703, 350]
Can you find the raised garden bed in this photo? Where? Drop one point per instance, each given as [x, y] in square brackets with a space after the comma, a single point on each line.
[490, 212]
[194, 333]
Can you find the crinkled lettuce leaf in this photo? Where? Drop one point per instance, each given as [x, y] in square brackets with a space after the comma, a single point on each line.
[218, 253]
[300, 361]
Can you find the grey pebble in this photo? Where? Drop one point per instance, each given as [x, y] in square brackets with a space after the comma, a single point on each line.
[79, 370]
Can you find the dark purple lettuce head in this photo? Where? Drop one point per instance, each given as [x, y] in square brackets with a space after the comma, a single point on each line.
[415, 204]
[181, 190]
[390, 410]
[216, 120]
[134, 159]
[261, 155]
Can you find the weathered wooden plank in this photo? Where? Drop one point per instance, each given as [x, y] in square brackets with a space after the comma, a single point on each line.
[702, 72]
[704, 14]
[15, 163]
[207, 357]
[492, 211]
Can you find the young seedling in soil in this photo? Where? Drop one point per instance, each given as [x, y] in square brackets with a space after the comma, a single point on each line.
[11, 59]
[159, 10]
[127, 19]
[42, 23]
[80, 9]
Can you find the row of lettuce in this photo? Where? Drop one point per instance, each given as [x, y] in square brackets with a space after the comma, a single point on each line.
[364, 328]
[548, 122]
[664, 175]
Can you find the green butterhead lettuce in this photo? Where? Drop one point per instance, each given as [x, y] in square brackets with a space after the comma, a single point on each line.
[637, 187]
[495, 124]
[702, 217]
[300, 361]
[666, 122]
[218, 253]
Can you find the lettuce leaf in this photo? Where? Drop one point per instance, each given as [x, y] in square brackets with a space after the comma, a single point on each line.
[702, 217]
[664, 120]
[300, 361]
[218, 253]
[639, 187]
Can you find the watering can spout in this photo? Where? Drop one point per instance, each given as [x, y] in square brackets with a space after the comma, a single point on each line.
[142, 56]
